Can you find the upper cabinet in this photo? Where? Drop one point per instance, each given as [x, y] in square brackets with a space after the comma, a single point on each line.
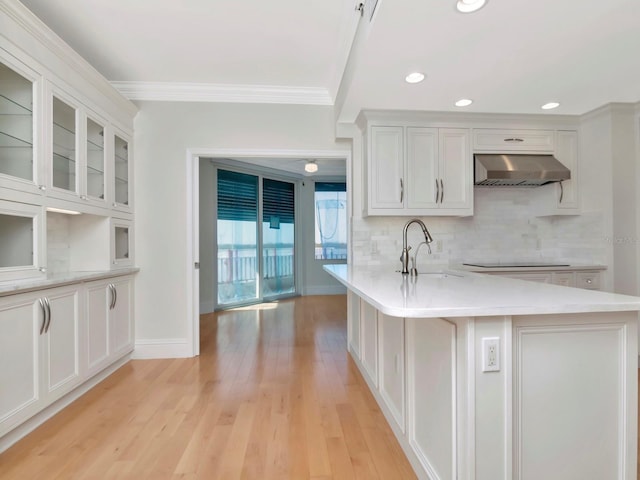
[419, 171]
[499, 140]
[19, 93]
[55, 148]
[562, 198]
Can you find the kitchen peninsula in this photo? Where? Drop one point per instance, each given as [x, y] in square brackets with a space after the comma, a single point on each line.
[486, 378]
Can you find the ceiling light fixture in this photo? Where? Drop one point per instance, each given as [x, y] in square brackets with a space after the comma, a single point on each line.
[464, 102]
[415, 77]
[550, 105]
[311, 166]
[468, 6]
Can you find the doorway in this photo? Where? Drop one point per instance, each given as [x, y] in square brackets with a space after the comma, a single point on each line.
[194, 253]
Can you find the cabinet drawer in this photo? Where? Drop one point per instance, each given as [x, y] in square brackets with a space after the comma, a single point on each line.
[493, 140]
[588, 280]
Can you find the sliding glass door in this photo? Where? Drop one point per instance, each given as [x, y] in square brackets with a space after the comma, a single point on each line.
[254, 263]
[278, 238]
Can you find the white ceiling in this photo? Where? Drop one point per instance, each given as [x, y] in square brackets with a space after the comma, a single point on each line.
[512, 56]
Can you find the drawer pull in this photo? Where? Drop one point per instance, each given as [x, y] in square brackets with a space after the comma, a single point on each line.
[589, 281]
[518, 140]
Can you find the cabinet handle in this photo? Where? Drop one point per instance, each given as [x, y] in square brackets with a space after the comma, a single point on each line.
[48, 305]
[561, 192]
[113, 296]
[437, 190]
[518, 140]
[441, 191]
[44, 316]
[401, 191]
[589, 281]
[42, 188]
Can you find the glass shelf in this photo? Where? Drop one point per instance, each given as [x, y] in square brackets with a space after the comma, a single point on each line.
[10, 141]
[11, 107]
[94, 171]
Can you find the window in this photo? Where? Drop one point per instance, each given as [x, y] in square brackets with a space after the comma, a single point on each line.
[331, 221]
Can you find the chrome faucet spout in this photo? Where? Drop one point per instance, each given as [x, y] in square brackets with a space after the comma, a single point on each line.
[404, 256]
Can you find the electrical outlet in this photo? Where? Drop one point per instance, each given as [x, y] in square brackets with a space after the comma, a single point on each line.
[438, 246]
[491, 354]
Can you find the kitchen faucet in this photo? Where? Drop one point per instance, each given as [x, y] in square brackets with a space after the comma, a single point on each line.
[404, 256]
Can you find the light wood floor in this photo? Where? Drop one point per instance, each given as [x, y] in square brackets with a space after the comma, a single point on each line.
[273, 395]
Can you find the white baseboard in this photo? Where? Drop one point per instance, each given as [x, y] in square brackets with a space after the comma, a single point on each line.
[162, 348]
[38, 419]
[325, 290]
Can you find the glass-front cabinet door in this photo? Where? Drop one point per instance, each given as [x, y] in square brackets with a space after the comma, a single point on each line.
[95, 161]
[121, 170]
[18, 95]
[21, 238]
[64, 160]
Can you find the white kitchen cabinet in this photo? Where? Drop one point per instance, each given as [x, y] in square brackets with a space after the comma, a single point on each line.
[94, 164]
[121, 243]
[21, 319]
[419, 171]
[431, 394]
[22, 240]
[391, 361]
[353, 323]
[109, 321]
[60, 353]
[588, 280]
[122, 178]
[369, 341]
[20, 96]
[386, 168]
[39, 336]
[510, 140]
[121, 317]
[562, 198]
[63, 168]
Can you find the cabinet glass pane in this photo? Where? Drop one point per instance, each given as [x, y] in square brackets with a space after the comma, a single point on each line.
[122, 243]
[122, 170]
[64, 146]
[95, 159]
[16, 238]
[16, 124]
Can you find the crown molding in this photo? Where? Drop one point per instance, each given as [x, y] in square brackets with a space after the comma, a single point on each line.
[209, 92]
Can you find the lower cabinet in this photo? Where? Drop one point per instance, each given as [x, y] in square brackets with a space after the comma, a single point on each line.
[369, 341]
[40, 351]
[392, 365]
[109, 321]
[53, 340]
[353, 322]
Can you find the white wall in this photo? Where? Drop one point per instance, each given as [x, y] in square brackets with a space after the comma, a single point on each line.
[163, 133]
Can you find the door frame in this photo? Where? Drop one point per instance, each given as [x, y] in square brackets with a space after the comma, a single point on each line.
[193, 215]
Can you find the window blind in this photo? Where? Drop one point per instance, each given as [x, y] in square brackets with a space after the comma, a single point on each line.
[237, 196]
[331, 187]
[278, 201]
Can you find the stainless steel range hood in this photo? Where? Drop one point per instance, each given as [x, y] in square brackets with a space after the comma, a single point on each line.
[511, 170]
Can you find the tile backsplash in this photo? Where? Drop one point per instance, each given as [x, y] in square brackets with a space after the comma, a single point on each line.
[58, 248]
[503, 228]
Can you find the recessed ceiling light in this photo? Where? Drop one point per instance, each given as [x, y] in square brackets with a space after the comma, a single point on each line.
[311, 166]
[464, 102]
[468, 6]
[550, 105]
[415, 77]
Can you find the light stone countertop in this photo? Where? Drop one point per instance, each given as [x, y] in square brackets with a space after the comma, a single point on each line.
[450, 292]
[536, 268]
[12, 287]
